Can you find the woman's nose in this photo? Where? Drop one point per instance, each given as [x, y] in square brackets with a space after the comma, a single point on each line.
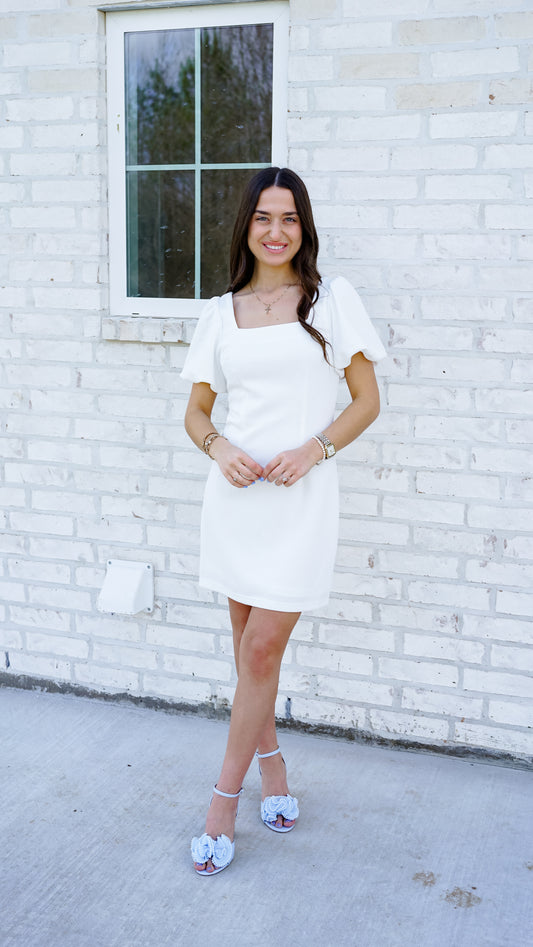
[275, 229]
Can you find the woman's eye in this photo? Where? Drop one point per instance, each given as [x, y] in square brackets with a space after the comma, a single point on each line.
[290, 220]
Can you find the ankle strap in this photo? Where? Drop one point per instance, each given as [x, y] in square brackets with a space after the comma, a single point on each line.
[264, 756]
[227, 795]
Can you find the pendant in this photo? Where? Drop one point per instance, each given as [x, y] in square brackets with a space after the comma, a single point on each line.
[267, 310]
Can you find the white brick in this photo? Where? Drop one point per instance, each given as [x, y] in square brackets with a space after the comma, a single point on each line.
[350, 98]
[511, 91]
[410, 725]
[514, 659]
[40, 617]
[475, 61]
[175, 689]
[458, 596]
[420, 456]
[434, 157]
[468, 186]
[37, 54]
[513, 713]
[313, 9]
[462, 369]
[418, 565]
[433, 397]
[515, 25]
[356, 35]
[496, 682]
[39, 666]
[59, 644]
[508, 156]
[69, 135]
[441, 30]
[34, 109]
[499, 629]
[501, 400]
[308, 129]
[458, 485]
[437, 95]
[468, 247]
[43, 217]
[426, 701]
[310, 68]
[347, 636]
[199, 667]
[110, 679]
[510, 741]
[343, 662]
[386, 187]
[505, 461]
[514, 603]
[437, 217]
[473, 125]
[360, 691]
[457, 428]
[384, 128]
[468, 308]
[508, 216]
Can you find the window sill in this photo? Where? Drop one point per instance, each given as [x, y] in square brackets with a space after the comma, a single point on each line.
[140, 329]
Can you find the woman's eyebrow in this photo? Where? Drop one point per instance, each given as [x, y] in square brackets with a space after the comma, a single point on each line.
[285, 213]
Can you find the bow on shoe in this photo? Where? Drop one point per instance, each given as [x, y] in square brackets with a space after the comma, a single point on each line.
[219, 850]
[274, 806]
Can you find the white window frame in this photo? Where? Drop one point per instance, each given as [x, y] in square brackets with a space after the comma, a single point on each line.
[119, 23]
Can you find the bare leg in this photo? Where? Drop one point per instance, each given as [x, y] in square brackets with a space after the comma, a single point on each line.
[273, 771]
[261, 646]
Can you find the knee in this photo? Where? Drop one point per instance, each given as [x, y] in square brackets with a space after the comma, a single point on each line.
[260, 654]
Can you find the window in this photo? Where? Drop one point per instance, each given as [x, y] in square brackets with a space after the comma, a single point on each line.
[197, 103]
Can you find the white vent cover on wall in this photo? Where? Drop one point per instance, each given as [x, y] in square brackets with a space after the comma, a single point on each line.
[128, 588]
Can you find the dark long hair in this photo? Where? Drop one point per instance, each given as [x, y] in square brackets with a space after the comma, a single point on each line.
[242, 260]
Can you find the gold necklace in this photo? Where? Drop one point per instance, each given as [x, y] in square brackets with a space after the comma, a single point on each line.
[268, 306]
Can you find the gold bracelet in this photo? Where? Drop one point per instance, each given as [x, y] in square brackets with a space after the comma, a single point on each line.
[208, 440]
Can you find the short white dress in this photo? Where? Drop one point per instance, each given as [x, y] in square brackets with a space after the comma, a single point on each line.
[269, 546]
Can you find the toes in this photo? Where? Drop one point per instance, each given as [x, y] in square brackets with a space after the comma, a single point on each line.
[288, 823]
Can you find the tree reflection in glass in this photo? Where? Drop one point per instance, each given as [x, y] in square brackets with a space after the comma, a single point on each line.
[176, 207]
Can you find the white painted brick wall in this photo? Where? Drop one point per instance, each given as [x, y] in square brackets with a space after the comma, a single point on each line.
[413, 127]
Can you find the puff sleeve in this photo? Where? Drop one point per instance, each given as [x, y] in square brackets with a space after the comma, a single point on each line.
[202, 363]
[351, 328]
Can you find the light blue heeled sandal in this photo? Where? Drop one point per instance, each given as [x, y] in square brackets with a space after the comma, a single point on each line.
[274, 806]
[220, 849]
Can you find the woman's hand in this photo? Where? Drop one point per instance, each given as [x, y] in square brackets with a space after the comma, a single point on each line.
[291, 465]
[238, 468]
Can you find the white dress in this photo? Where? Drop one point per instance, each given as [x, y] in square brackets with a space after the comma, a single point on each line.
[268, 546]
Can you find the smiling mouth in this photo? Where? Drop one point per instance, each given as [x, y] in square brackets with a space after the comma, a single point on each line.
[275, 246]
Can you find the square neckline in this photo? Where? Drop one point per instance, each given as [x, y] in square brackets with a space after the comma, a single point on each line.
[274, 325]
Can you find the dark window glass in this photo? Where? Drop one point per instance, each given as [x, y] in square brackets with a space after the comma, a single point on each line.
[221, 193]
[160, 206]
[194, 98]
[236, 94]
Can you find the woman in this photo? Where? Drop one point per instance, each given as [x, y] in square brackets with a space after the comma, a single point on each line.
[278, 346]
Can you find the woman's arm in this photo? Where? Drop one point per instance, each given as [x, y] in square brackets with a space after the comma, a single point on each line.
[356, 417]
[238, 468]
[364, 407]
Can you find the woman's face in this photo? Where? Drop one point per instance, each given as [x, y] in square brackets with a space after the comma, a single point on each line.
[275, 231]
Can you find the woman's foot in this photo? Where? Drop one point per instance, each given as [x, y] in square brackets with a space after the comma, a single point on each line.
[220, 821]
[274, 783]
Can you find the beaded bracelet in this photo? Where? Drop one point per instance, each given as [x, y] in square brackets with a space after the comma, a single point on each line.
[208, 440]
[323, 446]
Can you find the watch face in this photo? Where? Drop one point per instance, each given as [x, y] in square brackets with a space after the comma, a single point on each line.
[330, 450]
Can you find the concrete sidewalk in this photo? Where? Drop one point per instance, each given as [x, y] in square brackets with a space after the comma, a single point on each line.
[99, 801]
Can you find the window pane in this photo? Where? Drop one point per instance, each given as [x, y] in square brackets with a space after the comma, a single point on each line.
[221, 194]
[160, 233]
[160, 97]
[236, 93]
